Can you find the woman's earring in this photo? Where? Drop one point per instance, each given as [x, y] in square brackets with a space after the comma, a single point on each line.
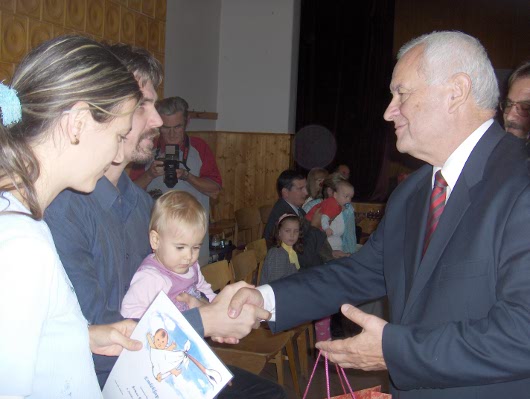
[75, 141]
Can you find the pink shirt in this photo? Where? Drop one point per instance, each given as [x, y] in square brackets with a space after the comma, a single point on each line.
[152, 277]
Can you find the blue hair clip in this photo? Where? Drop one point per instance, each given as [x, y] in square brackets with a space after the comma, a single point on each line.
[10, 105]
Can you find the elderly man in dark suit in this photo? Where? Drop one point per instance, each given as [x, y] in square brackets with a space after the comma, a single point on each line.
[452, 251]
[292, 192]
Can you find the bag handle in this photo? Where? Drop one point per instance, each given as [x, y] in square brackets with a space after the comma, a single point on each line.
[340, 372]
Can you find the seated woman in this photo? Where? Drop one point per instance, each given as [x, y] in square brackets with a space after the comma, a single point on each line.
[65, 117]
[315, 180]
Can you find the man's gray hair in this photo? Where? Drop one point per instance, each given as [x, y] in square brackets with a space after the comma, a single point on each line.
[172, 105]
[448, 53]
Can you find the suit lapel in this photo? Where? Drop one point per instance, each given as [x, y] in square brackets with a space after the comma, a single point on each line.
[456, 207]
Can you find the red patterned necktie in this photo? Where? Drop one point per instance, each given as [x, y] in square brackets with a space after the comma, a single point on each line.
[438, 195]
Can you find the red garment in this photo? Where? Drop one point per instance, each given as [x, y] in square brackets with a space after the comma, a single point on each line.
[329, 207]
[209, 167]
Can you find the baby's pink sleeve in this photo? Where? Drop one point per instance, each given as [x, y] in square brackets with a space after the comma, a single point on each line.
[145, 286]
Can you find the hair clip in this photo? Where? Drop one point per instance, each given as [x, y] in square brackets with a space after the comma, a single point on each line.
[285, 215]
[10, 105]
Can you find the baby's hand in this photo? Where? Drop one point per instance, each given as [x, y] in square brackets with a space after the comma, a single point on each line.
[159, 377]
[329, 232]
[190, 300]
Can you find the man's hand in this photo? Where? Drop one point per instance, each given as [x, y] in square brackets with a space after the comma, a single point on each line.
[249, 296]
[222, 328]
[110, 339]
[156, 169]
[364, 351]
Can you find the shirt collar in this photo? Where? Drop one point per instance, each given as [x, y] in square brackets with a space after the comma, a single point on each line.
[295, 208]
[455, 163]
[107, 194]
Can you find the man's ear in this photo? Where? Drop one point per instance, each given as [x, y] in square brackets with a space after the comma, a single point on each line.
[76, 121]
[154, 239]
[284, 192]
[460, 90]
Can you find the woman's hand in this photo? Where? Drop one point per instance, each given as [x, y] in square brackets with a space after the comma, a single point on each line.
[110, 339]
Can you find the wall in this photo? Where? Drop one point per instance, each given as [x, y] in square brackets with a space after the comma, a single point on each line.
[26, 23]
[256, 58]
[238, 58]
[192, 55]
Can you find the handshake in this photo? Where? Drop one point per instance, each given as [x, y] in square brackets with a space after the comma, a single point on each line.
[234, 312]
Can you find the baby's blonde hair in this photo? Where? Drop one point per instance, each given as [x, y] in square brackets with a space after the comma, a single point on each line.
[180, 207]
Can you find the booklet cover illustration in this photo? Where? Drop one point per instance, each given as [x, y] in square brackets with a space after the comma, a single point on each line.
[174, 362]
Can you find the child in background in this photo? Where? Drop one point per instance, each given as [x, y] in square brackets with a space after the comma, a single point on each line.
[176, 231]
[331, 207]
[282, 259]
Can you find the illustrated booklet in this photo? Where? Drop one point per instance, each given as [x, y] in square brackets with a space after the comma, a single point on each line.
[175, 362]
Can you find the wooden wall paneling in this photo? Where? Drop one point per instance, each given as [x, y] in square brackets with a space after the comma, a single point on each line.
[249, 164]
[135, 5]
[7, 5]
[148, 8]
[160, 10]
[95, 17]
[162, 36]
[30, 8]
[14, 37]
[140, 32]
[6, 72]
[111, 31]
[39, 32]
[61, 30]
[127, 26]
[53, 11]
[154, 35]
[76, 15]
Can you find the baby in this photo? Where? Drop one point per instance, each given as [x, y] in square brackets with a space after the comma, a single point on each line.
[331, 207]
[176, 231]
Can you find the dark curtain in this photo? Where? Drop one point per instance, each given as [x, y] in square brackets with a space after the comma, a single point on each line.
[345, 67]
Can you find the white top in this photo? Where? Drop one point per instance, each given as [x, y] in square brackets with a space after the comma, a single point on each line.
[455, 163]
[451, 172]
[44, 347]
[335, 240]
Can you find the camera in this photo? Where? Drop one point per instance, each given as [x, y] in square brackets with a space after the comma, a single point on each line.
[171, 163]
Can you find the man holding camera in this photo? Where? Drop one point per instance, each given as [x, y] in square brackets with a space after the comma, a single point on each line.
[182, 162]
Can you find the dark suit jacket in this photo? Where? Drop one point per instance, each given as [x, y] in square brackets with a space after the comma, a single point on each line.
[316, 247]
[460, 317]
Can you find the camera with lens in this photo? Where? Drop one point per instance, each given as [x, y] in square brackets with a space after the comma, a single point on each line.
[171, 164]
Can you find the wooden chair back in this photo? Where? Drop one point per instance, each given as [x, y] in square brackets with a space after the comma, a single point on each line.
[260, 248]
[245, 266]
[248, 221]
[264, 211]
[218, 274]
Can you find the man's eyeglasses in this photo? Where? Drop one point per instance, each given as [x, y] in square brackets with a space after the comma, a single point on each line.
[167, 129]
[521, 107]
